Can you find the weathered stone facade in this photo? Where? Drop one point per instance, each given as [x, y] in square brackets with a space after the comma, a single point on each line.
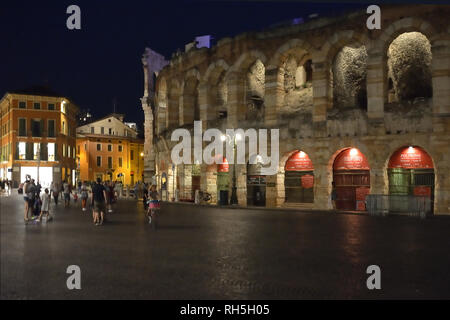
[328, 85]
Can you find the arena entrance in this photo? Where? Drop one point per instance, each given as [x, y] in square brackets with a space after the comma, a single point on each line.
[351, 175]
[223, 180]
[256, 185]
[299, 179]
[411, 172]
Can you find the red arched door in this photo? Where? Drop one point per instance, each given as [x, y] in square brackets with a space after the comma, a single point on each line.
[351, 175]
[299, 178]
[411, 172]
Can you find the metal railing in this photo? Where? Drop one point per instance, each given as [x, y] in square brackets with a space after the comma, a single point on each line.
[383, 205]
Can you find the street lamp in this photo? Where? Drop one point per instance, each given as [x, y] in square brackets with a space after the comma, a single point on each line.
[236, 137]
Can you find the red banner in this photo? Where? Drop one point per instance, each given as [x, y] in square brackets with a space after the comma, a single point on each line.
[224, 167]
[299, 161]
[411, 158]
[307, 181]
[422, 191]
[361, 193]
[351, 159]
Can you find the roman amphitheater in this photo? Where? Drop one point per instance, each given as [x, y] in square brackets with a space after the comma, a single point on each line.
[367, 110]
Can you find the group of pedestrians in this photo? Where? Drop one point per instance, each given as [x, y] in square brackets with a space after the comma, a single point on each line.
[103, 195]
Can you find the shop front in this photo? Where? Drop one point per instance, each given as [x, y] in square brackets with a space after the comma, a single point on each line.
[411, 172]
[351, 175]
[299, 179]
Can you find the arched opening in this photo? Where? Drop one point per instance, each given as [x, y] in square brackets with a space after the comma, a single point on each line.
[217, 95]
[162, 105]
[410, 172]
[409, 67]
[191, 108]
[172, 116]
[256, 182]
[299, 178]
[297, 81]
[195, 179]
[351, 177]
[348, 78]
[254, 91]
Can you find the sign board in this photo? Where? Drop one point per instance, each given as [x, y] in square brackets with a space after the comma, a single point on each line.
[411, 158]
[351, 159]
[307, 181]
[299, 161]
[361, 193]
[422, 191]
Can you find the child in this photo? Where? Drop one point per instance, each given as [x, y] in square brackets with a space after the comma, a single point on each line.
[45, 208]
[75, 197]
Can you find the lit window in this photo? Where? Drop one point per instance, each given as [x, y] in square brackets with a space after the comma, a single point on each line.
[51, 151]
[22, 150]
[64, 150]
[36, 151]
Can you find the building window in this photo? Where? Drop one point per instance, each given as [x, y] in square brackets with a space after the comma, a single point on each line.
[51, 106]
[36, 151]
[110, 131]
[22, 127]
[51, 151]
[64, 127]
[102, 130]
[109, 162]
[120, 148]
[51, 128]
[99, 161]
[22, 105]
[37, 105]
[109, 147]
[120, 162]
[73, 152]
[99, 147]
[68, 151]
[36, 129]
[85, 147]
[92, 130]
[78, 149]
[132, 155]
[22, 150]
[64, 150]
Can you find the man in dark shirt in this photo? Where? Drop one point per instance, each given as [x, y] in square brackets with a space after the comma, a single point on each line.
[98, 202]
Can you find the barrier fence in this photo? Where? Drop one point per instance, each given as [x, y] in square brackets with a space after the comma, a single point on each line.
[383, 205]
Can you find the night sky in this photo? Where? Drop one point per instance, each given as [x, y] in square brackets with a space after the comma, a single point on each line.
[102, 61]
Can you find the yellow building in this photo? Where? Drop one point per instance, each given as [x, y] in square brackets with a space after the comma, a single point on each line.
[109, 149]
[37, 136]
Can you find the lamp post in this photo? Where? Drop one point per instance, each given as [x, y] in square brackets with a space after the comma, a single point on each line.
[237, 137]
[142, 172]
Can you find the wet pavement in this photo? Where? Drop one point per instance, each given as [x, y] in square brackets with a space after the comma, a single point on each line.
[210, 253]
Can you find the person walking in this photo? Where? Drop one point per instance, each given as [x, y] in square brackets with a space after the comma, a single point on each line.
[84, 196]
[98, 202]
[66, 188]
[333, 195]
[26, 187]
[153, 205]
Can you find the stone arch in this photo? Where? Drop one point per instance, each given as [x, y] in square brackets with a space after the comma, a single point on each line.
[341, 52]
[282, 52]
[290, 76]
[246, 59]
[216, 90]
[381, 45]
[189, 102]
[172, 116]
